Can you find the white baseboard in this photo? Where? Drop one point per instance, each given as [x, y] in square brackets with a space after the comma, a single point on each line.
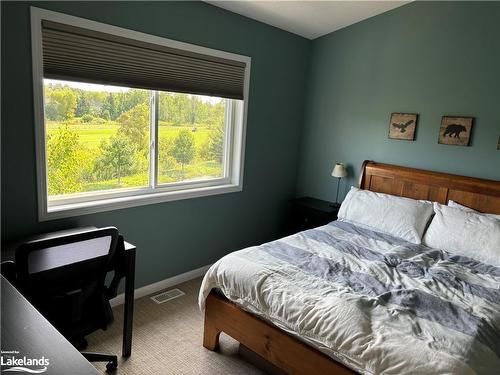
[163, 284]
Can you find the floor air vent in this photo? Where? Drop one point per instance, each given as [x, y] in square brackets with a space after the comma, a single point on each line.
[168, 295]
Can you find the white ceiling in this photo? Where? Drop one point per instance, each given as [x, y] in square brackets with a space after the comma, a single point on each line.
[308, 18]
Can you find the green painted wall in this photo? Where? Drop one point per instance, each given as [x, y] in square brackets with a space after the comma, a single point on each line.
[177, 236]
[430, 58]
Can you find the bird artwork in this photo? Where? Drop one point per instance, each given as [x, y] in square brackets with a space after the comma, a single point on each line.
[402, 125]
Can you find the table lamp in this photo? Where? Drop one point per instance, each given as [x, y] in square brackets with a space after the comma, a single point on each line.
[339, 171]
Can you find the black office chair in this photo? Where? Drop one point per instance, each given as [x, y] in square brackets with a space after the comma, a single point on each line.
[72, 295]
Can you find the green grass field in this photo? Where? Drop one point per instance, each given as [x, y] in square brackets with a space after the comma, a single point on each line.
[92, 134]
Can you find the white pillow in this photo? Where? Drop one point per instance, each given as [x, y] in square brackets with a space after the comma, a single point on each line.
[468, 209]
[464, 233]
[400, 217]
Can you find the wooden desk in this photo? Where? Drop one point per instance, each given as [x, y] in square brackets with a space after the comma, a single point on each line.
[124, 265]
[27, 332]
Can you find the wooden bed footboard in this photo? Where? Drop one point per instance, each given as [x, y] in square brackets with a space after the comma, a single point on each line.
[274, 345]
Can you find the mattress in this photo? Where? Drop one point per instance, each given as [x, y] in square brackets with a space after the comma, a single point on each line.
[373, 302]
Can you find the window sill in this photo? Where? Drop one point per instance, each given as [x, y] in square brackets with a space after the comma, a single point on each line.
[76, 209]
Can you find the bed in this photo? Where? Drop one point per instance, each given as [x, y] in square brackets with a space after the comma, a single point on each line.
[344, 298]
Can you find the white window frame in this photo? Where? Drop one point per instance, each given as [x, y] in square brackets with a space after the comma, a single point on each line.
[87, 203]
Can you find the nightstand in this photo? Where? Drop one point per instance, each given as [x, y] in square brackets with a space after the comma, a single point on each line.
[310, 212]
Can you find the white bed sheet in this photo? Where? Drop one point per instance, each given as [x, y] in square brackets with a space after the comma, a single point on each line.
[373, 302]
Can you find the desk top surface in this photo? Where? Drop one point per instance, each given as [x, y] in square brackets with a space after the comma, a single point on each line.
[9, 249]
[25, 332]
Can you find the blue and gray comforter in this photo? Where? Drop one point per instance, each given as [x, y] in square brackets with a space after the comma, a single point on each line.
[376, 303]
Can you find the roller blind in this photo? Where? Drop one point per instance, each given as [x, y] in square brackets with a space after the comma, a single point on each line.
[74, 53]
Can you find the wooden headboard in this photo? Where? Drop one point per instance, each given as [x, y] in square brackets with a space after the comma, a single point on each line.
[476, 193]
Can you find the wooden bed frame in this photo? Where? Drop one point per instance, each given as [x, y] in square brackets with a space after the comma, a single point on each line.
[476, 193]
[291, 354]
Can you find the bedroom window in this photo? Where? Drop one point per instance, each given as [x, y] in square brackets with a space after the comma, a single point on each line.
[126, 119]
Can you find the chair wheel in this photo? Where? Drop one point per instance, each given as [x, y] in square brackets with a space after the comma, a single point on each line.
[111, 366]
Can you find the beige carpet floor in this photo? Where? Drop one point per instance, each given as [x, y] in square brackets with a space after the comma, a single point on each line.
[168, 340]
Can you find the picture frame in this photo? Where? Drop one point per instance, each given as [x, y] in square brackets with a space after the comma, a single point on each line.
[403, 126]
[455, 130]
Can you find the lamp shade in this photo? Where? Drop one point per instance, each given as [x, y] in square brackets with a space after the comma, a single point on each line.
[339, 170]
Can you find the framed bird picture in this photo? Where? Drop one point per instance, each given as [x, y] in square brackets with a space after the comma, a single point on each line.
[402, 126]
[455, 130]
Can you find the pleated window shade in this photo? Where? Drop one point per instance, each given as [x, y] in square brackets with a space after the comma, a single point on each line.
[74, 53]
